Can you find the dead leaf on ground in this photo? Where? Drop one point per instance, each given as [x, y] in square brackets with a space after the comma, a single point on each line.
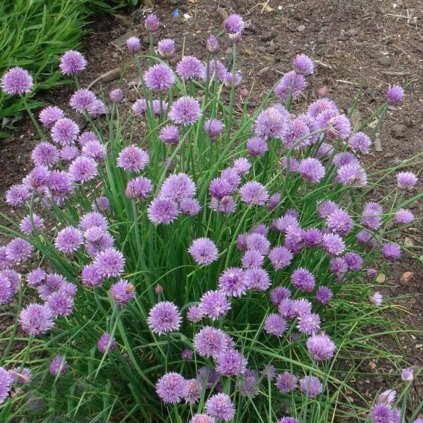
[406, 277]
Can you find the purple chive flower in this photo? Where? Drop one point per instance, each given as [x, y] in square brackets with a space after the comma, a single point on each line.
[91, 219]
[407, 375]
[303, 65]
[187, 355]
[138, 188]
[376, 299]
[177, 186]
[83, 169]
[171, 388]
[242, 166]
[320, 347]
[360, 143]
[309, 323]
[91, 276]
[247, 384]
[257, 146]
[191, 68]
[371, 218]
[261, 229]
[353, 261]
[195, 313]
[333, 244]
[340, 222]
[343, 159]
[202, 418]
[286, 382]
[274, 201]
[387, 397]
[212, 44]
[271, 123]
[95, 150]
[98, 108]
[231, 363]
[232, 79]
[58, 366]
[352, 174]
[72, 63]
[257, 279]
[6, 292]
[60, 304]
[170, 135]
[133, 45]
[225, 205]
[320, 106]
[116, 95]
[291, 85]
[234, 24]
[86, 137]
[6, 381]
[22, 376]
[50, 115]
[221, 407]
[65, 131]
[303, 280]
[36, 277]
[252, 259]
[162, 211]
[152, 23]
[164, 317]
[18, 250]
[324, 295]
[37, 178]
[275, 325]
[213, 128]
[220, 188]
[110, 262]
[133, 159]
[288, 420]
[101, 204]
[296, 134]
[280, 257]
[36, 319]
[404, 216]
[215, 304]
[259, 242]
[210, 342]
[122, 292]
[203, 251]
[395, 95]
[283, 223]
[159, 77]
[106, 343]
[339, 267]
[231, 176]
[16, 81]
[278, 294]
[381, 413]
[193, 393]
[185, 111]
[140, 107]
[69, 153]
[68, 240]
[166, 48]
[45, 154]
[311, 170]
[326, 208]
[30, 223]
[254, 193]
[232, 282]
[391, 251]
[311, 386]
[313, 237]
[406, 180]
[190, 206]
[82, 100]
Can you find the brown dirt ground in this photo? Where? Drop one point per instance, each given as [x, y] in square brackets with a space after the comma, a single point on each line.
[359, 45]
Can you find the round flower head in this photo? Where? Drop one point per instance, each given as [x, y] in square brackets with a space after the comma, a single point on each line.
[86, 137]
[20, 375]
[320, 347]
[18, 250]
[406, 180]
[159, 77]
[232, 282]
[333, 244]
[169, 134]
[231, 363]
[404, 216]
[195, 313]
[303, 280]
[82, 100]
[303, 65]
[68, 240]
[91, 219]
[309, 323]
[290, 86]
[352, 174]
[50, 115]
[257, 279]
[254, 193]
[36, 277]
[210, 342]
[257, 241]
[72, 63]
[242, 166]
[185, 111]
[164, 317]
[252, 259]
[6, 292]
[91, 276]
[191, 68]
[271, 123]
[275, 325]
[391, 251]
[106, 343]
[311, 170]
[36, 319]
[297, 133]
[116, 95]
[69, 153]
[152, 23]
[30, 223]
[202, 418]
[279, 294]
[16, 81]
[166, 48]
[288, 420]
[220, 406]
[212, 44]
[162, 211]
[171, 388]
[231, 176]
[190, 206]
[371, 218]
[6, 381]
[95, 150]
[110, 262]
[343, 159]
[18, 195]
[122, 292]
[58, 366]
[220, 188]
[133, 45]
[339, 267]
[257, 146]
[45, 154]
[177, 186]
[381, 413]
[274, 201]
[203, 251]
[407, 374]
[133, 159]
[213, 128]
[140, 107]
[234, 24]
[311, 386]
[37, 178]
[215, 304]
[60, 304]
[83, 169]
[65, 131]
[395, 95]
[360, 143]
[138, 188]
[340, 222]
[280, 257]
[286, 382]
[324, 295]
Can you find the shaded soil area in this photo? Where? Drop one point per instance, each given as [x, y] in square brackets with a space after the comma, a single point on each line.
[360, 46]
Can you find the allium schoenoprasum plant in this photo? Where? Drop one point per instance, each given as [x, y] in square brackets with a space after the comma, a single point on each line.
[187, 258]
